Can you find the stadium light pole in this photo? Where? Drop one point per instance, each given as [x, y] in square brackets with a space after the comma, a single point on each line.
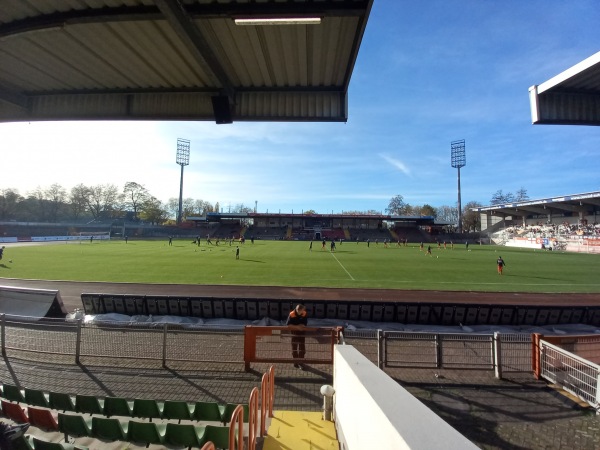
[458, 159]
[183, 159]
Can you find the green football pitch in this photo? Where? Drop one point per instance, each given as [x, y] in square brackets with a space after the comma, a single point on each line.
[277, 263]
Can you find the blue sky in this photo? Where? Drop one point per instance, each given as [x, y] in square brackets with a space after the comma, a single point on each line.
[427, 73]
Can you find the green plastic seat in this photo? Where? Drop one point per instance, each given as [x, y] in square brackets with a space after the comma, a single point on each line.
[36, 397]
[22, 443]
[227, 411]
[146, 432]
[177, 410]
[73, 425]
[61, 402]
[207, 411]
[89, 404]
[109, 429]
[39, 444]
[117, 406]
[149, 409]
[189, 436]
[12, 393]
[217, 435]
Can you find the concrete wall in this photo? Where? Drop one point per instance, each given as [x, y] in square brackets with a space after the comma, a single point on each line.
[373, 411]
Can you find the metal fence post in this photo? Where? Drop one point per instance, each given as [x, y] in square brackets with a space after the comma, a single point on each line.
[380, 350]
[3, 332]
[78, 341]
[438, 351]
[164, 352]
[497, 352]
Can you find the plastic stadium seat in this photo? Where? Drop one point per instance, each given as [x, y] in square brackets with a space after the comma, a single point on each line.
[146, 432]
[188, 436]
[14, 412]
[117, 406]
[109, 429]
[12, 393]
[89, 404]
[42, 418]
[61, 402]
[217, 435]
[228, 409]
[174, 410]
[207, 411]
[72, 425]
[21, 443]
[148, 409]
[39, 444]
[36, 397]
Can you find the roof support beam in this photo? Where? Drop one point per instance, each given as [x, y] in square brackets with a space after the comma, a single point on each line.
[14, 98]
[189, 34]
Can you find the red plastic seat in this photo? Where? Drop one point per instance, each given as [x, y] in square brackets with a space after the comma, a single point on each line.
[42, 418]
[14, 412]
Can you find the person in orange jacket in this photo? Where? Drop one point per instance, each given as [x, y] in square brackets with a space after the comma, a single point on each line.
[297, 319]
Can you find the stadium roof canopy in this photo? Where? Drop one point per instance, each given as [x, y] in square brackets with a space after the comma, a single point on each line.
[178, 59]
[570, 98]
[576, 203]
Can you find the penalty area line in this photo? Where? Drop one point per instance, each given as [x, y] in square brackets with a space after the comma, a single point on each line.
[342, 266]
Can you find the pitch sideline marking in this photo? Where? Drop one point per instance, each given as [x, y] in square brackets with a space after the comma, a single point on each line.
[342, 266]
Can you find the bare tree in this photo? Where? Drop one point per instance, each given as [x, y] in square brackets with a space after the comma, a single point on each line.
[56, 197]
[134, 195]
[471, 219]
[398, 206]
[521, 195]
[447, 214]
[102, 200]
[78, 200]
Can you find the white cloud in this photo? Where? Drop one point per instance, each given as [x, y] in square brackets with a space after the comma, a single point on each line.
[396, 163]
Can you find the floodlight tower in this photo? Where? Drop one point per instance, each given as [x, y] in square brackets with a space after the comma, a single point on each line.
[458, 159]
[183, 159]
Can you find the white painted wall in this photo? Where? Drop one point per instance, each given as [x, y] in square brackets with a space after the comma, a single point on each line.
[372, 411]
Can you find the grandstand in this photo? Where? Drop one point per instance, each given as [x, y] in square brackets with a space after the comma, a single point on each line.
[567, 222]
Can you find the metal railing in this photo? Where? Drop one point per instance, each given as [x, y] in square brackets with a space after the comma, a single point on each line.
[166, 343]
[573, 373]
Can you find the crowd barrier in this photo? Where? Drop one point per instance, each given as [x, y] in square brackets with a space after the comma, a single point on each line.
[401, 312]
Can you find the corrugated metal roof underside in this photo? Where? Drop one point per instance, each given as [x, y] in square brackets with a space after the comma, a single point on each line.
[139, 66]
[572, 97]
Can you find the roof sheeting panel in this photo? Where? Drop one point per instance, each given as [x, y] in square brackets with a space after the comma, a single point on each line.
[130, 50]
[571, 97]
[314, 106]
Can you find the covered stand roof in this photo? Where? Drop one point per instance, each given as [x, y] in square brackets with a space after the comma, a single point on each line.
[570, 98]
[177, 59]
[574, 203]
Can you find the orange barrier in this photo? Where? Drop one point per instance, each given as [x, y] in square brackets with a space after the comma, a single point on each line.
[208, 446]
[237, 419]
[253, 419]
[269, 344]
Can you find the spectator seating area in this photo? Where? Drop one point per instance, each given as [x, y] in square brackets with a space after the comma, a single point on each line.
[548, 231]
[112, 419]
